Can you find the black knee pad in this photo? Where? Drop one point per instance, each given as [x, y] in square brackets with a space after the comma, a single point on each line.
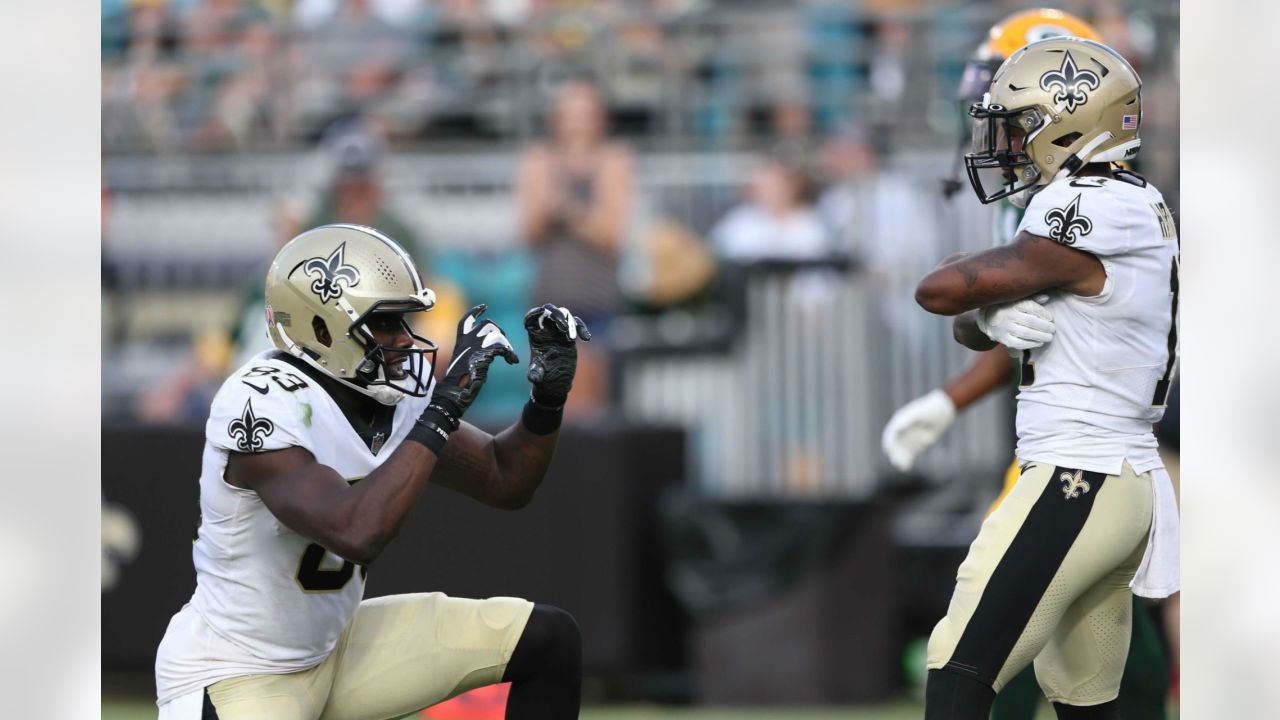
[562, 636]
[551, 642]
[1105, 711]
[951, 696]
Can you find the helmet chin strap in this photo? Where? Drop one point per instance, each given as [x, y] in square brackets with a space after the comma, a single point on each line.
[1078, 160]
[1081, 157]
[385, 394]
[1125, 151]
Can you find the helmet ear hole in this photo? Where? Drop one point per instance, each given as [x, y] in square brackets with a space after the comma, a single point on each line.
[1067, 140]
[321, 331]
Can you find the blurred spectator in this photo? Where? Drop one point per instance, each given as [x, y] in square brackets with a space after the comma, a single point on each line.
[575, 197]
[138, 30]
[777, 221]
[245, 71]
[560, 36]
[351, 58]
[356, 193]
[396, 13]
[879, 216]
[848, 166]
[227, 45]
[465, 75]
[138, 92]
[836, 45]
[1111, 18]
[888, 62]
[636, 72]
[241, 110]
[899, 78]
[792, 121]
[874, 213]
[115, 29]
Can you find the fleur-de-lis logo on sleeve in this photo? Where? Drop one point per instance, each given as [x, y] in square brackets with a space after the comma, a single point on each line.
[1070, 84]
[331, 274]
[248, 430]
[1073, 484]
[1067, 225]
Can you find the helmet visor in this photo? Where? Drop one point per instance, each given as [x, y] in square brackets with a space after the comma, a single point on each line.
[998, 162]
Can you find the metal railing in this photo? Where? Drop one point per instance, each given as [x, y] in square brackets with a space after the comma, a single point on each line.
[793, 407]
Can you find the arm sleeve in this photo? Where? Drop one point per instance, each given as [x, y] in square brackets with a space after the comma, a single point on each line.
[1083, 213]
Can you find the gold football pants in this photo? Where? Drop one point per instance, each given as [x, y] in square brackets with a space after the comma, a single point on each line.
[400, 654]
[1047, 579]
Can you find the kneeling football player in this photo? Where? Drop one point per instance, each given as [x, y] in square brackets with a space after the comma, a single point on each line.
[315, 454]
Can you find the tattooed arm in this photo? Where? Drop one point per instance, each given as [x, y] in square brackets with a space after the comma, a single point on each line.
[1024, 267]
[502, 471]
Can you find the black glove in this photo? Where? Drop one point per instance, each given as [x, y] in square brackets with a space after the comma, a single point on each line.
[478, 343]
[553, 335]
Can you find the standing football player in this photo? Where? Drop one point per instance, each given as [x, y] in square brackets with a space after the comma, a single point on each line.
[1048, 577]
[315, 453]
[920, 423]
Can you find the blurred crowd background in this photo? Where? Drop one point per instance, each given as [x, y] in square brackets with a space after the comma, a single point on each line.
[737, 195]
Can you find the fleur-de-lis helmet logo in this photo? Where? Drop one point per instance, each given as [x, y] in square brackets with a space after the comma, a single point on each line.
[248, 430]
[1073, 484]
[1070, 85]
[1067, 225]
[331, 274]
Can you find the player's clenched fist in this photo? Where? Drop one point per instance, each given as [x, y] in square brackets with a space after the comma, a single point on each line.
[553, 336]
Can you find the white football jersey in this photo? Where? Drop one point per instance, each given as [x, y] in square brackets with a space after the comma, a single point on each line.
[1089, 397]
[267, 599]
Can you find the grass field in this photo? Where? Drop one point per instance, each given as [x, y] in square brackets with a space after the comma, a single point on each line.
[128, 709]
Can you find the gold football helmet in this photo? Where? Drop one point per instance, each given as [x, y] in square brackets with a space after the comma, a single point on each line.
[1002, 40]
[328, 283]
[1012, 34]
[1053, 107]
